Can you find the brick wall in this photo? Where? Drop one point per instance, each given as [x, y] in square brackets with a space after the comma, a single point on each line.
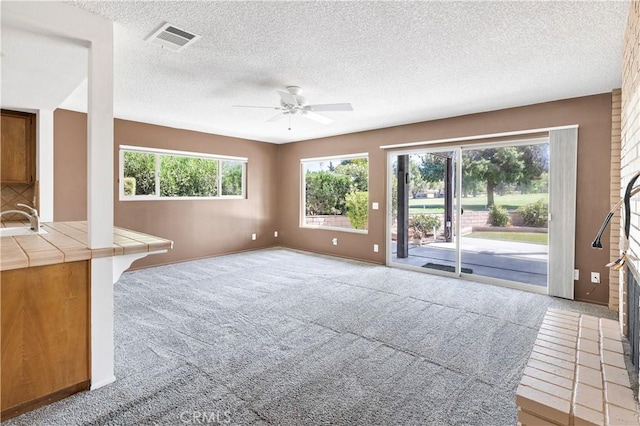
[576, 374]
[472, 218]
[630, 134]
[614, 243]
[469, 218]
[329, 220]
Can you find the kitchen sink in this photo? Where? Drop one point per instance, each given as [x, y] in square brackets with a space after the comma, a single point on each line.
[19, 230]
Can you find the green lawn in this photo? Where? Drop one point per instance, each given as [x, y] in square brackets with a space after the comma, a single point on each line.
[509, 201]
[523, 237]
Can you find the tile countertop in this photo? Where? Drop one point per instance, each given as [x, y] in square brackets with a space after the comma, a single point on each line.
[67, 242]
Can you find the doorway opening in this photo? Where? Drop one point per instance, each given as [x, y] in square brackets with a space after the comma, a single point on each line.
[478, 211]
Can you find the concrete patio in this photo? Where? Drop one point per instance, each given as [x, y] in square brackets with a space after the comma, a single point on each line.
[506, 260]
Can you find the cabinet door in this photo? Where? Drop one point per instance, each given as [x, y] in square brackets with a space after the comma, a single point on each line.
[45, 334]
[17, 147]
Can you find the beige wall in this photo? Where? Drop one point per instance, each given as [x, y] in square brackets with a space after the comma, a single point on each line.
[205, 228]
[592, 114]
[69, 166]
[199, 228]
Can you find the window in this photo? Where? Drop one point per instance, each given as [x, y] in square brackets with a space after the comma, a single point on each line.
[336, 193]
[151, 174]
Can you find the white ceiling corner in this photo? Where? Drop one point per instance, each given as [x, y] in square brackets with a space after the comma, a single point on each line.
[36, 71]
[396, 62]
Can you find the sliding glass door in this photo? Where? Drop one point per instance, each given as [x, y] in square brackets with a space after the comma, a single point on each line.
[477, 210]
[505, 202]
[423, 210]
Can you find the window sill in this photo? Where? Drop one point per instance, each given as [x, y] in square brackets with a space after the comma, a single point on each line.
[154, 198]
[336, 229]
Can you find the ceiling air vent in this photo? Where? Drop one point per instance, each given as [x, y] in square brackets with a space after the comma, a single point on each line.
[171, 37]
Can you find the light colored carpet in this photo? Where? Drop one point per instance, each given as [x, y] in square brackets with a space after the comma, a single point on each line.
[281, 337]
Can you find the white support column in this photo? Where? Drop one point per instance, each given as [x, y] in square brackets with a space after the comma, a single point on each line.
[100, 145]
[71, 22]
[45, 164]
[102, 342]
[100, 208]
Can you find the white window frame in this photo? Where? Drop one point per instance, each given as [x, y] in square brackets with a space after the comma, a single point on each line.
[303, 191]
[158, 152]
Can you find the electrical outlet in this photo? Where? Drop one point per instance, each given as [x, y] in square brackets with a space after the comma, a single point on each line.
[595, 277]
[334, 241]
[576, 274]
[375, 248]
[254, 237]
[275, 234]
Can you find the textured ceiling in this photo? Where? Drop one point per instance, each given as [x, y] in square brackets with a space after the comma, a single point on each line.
[396, 62]
[26, 83]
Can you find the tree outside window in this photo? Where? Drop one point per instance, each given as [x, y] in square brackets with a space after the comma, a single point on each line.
[336, 193]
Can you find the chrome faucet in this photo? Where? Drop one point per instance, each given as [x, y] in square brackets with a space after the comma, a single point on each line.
[34, 220]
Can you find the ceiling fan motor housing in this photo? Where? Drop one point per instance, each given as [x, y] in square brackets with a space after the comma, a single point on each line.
[295, 91]
[291, 102]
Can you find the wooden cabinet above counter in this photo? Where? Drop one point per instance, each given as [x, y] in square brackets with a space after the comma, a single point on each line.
[18, 147]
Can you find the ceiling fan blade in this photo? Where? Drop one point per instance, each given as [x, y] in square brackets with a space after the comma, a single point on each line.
[317, 117]
[287, 98]
[331, 107]
[254, 106]
[277, 117]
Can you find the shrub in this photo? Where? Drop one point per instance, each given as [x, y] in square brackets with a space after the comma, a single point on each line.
[535, 214]
[498, 215]
[129, 186]
[142, 167]
[358, 209]
[188, 176]
[424, 223]
[326, 190]
[326, 193]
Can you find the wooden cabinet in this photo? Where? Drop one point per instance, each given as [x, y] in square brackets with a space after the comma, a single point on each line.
[45, 335]
[18, 147]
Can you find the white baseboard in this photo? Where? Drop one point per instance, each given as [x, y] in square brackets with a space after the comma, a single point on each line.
[105, 382]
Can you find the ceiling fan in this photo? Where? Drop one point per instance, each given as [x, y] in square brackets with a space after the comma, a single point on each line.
[291, 103]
